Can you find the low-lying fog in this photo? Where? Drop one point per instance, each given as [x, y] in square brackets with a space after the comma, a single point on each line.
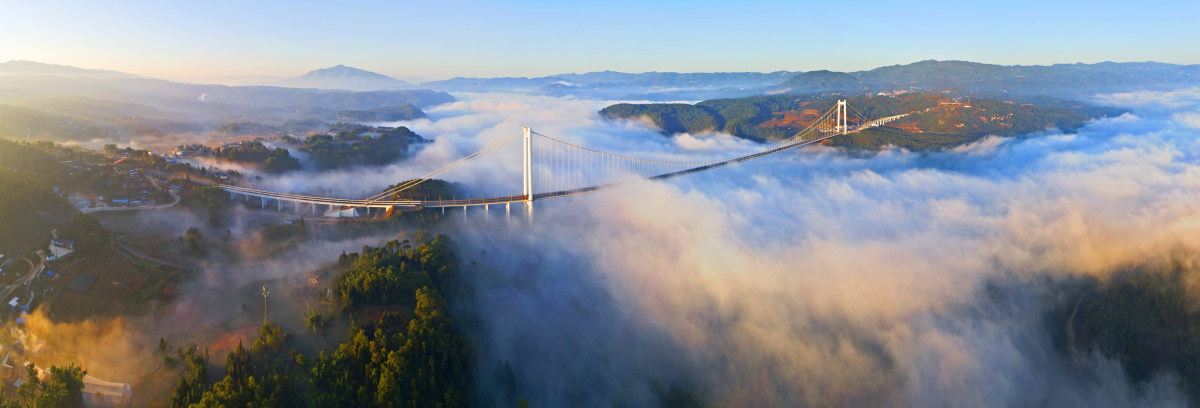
[805, 278]
[814, 278]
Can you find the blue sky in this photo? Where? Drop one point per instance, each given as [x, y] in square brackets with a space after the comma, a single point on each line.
[188, 40]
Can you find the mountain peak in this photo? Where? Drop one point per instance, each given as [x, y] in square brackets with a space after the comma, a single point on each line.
[341, 76]
[340, 70]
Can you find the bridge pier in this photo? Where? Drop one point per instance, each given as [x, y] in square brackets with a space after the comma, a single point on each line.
[507, 210]
[262, 200]
[280, 202]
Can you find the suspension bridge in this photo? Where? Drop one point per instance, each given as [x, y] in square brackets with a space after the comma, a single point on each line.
[553, 168]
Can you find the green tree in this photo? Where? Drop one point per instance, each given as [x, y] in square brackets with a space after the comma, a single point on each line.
[87, 232]
[211, 198]
[279, 161]
[63, 388]
[194, 239]
[191, 385]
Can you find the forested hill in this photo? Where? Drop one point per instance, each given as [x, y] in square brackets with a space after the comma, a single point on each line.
[350, 145]
[383, 114]
[28, 205]
[823, 81]
[939, 120]
[402, 347]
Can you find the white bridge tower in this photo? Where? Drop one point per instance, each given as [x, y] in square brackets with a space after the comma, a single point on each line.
[841, 118]
[528, 173]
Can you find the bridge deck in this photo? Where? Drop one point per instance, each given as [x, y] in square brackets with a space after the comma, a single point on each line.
[343, 202]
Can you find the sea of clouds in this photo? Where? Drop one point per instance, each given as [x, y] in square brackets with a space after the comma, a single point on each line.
[808, 278]
[817, 278]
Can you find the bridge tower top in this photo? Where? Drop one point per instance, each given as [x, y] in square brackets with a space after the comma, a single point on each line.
[527, 179]
[841, 117]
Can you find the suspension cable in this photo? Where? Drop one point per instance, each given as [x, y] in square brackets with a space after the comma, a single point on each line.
[861, 117]
[443, 169]
[799, 134]
[576, 161]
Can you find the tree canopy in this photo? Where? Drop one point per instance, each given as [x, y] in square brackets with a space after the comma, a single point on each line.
[87, 232]
[382, 363]
[62, 388]
[358, 145]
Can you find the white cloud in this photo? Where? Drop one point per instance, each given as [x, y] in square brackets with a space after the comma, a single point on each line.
[1190, 119]
[813, 278]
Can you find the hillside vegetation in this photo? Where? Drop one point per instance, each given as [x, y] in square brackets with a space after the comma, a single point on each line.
[356, 145]
[410, 355]
[28, 205]
[384, 114]
[1147, 320]
[936, 120]
[277, 160]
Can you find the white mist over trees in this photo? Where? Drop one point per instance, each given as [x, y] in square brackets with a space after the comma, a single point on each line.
[820, 279]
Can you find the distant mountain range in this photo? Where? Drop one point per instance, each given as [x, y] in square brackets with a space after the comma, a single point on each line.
[21, 67]
[61, 103]
[620, 85]
[1060, 80]
[343, 77]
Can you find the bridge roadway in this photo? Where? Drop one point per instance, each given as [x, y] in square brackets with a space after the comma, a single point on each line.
[418, 204]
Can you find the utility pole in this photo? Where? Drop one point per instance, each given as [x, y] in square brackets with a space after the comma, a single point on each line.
[265, 293]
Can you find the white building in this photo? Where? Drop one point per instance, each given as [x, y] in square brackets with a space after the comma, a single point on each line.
[99, 393]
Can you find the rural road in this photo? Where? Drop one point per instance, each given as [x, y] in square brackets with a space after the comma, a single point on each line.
[33, 272]
[143, 255]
